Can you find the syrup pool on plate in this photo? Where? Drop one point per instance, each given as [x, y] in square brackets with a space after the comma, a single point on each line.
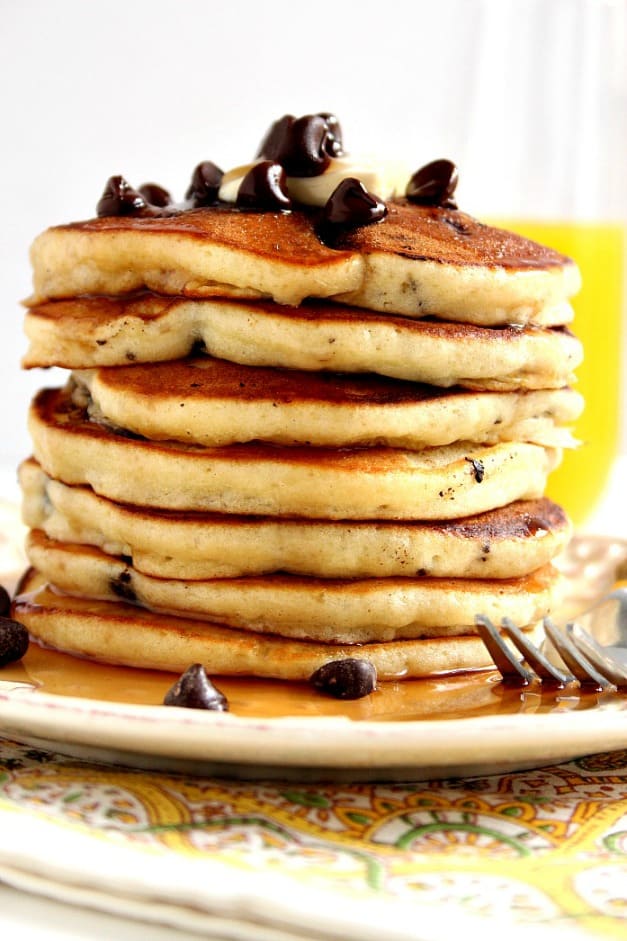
[461, 695]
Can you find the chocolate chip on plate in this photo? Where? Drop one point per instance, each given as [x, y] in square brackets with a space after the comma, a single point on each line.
[13, 641]
[194, 690]
[351, 678]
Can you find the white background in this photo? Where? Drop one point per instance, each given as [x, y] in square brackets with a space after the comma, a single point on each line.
[526, 96]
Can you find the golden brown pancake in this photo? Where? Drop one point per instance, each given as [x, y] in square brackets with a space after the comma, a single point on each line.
[352, 611]
[318, 336]
[423, 260]
[122, 633]
[417, 261]
[505, 543]
[331, 483]
[198, 253]
[214, 402]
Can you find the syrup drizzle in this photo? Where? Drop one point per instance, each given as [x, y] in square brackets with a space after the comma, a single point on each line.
[455, 696]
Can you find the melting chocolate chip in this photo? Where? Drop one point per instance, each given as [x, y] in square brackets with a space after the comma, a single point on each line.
[303, 146]
[460, 225]
[478, 468]
[194, 690]
[333, 145]
[205, 185]
[277, 139]
[351, 678]
[155, 195]
[434, 184]
[13, 641]
[537, 526]
[350, 204]
[5, 601]
[264, 187]
[120, 199]
[122, 587]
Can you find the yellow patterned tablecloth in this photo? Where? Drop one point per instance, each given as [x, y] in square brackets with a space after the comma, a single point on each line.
[546, 848]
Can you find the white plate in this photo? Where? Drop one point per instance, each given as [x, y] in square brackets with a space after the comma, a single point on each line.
[315, 748]
[307, 748]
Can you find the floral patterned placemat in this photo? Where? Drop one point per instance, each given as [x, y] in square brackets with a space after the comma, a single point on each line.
[544, 848]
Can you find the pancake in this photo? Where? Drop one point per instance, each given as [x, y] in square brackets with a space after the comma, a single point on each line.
[88, 332]
[198, 253]
[121, 633]
[423, 260]
[213, 402]
[338, 611]
[505, 543]
[344, 483]
[418, 261]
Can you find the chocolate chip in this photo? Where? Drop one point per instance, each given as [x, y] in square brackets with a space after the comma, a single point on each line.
[194, 690]
[264, 187]
[205, 184]
[120, 199]
[536, 525]
[5, 601]
[459, 225]
[434, 184]
[351, 678]
[478, 468]
[303, 146]
[155, 195]
[122, 587]
[350, 204]
[13, 641]
[333, 143]
[277, 139]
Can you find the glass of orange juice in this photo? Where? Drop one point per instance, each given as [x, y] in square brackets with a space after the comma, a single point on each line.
[546, 146]
[599, 250]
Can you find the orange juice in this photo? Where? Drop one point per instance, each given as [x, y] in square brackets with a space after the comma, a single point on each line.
[598, 249]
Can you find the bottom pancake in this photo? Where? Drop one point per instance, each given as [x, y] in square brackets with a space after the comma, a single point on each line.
[123, 634]
[338, 611]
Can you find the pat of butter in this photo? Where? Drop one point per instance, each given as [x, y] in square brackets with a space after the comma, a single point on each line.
[385, 181]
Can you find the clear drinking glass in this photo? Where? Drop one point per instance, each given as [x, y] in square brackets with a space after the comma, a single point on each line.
[546, 149]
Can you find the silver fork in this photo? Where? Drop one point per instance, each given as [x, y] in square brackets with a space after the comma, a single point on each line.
[584, 661]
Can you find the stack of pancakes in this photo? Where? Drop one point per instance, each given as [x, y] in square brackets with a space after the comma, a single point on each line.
[273, 452]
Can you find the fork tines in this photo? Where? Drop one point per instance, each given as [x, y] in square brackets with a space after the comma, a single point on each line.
[535, 666]
[588, 663]
[584, 656]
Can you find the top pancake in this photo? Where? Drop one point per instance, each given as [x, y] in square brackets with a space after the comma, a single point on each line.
[418, 261]
[424, 260]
